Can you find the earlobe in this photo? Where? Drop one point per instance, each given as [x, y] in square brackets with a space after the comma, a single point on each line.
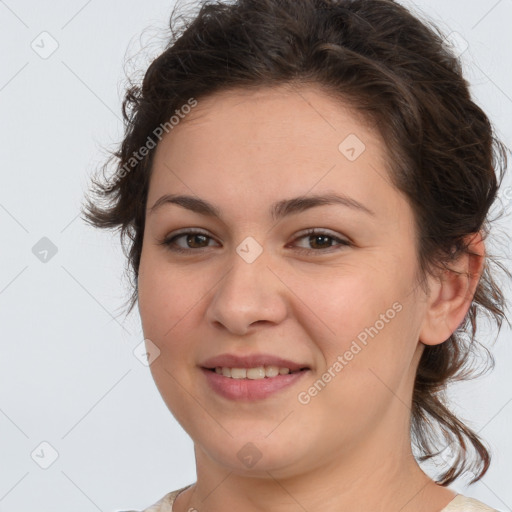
[452, 293]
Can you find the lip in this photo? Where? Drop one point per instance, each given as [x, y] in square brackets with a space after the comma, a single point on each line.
[251, 361]
[248, 389]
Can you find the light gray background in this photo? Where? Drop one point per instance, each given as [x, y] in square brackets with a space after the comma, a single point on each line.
[68, 375]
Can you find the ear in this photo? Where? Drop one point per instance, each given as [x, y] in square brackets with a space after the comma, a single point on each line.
[451, 293]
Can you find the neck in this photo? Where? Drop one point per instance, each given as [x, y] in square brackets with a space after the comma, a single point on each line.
[380, 476]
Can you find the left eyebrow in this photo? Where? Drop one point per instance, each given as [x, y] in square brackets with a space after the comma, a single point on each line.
[278, 210]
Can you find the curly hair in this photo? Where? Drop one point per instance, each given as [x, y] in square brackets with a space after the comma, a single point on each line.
[398, 71]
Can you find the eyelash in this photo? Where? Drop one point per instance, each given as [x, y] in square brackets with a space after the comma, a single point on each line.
[168, 242]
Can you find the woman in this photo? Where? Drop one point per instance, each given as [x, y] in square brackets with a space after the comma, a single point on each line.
[305, 185]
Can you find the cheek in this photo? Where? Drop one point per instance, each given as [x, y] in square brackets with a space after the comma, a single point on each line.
[166, 295]
[365, 325]
[350, 305]
[166, 307]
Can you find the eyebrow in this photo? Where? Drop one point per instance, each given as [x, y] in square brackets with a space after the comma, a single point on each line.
[277, 211]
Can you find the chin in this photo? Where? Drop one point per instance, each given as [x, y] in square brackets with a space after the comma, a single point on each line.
[255, 458]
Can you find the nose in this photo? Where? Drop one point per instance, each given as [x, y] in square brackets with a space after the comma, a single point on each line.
[250, 294]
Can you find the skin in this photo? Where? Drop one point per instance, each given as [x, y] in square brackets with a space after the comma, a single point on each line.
[349, 448]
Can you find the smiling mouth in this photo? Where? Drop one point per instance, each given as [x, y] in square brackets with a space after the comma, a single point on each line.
[255, 373]
[251, 384]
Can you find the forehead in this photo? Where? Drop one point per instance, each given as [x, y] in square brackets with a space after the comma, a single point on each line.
[266, 111]
[272, 142]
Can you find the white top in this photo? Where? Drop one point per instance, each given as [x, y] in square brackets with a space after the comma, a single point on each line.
[460, 503]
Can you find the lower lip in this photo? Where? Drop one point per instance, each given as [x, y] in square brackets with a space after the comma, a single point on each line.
[250, 389]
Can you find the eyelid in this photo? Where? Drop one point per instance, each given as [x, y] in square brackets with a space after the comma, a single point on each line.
[322, 231]
[166, 241]
[341, 240]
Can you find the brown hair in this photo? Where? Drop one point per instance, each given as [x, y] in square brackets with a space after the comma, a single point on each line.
[395, 69]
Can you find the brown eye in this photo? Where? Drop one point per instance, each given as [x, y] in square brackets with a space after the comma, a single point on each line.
[319, 241]
[192, 240]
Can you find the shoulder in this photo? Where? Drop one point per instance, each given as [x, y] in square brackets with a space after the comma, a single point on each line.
[463, 503]
[164, 504]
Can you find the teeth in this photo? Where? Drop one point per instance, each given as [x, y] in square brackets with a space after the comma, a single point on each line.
[273, 371]
[260, 372]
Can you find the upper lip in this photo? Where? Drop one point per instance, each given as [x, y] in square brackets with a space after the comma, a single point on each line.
[251, 361]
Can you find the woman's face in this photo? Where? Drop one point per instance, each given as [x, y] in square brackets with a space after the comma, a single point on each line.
[343, 303]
